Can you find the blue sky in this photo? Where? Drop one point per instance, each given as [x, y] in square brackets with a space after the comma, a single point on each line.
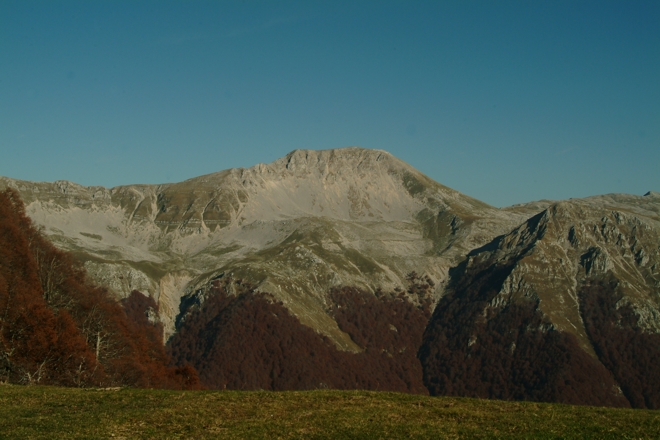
[505, 101]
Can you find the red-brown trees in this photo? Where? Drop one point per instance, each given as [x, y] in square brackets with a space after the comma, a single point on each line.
[511, 352]
[58, 328]
[629, 351]
[37, 344]
[250, 341]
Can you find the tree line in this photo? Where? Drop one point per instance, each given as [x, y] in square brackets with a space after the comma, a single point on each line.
[251, 341]
[58, 328]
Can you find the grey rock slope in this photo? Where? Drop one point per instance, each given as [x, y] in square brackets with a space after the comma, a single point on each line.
[555, 253]
[295, 228]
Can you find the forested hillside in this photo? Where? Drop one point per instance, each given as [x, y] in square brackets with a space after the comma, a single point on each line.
[564, 308]
[248, 340]
[58, 328]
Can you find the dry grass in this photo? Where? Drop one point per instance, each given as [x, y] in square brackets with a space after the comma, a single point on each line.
[46, 412]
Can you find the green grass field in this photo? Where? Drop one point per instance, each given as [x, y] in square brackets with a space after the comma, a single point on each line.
[48, 412]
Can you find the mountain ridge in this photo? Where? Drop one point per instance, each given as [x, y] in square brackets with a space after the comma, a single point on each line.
[238, 212]
[581, 277]
[347, 252]
[295, 227]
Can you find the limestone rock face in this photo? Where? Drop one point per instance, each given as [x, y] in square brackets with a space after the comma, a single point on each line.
[295, 228]
[574, 241]
[561, 248]
[556, 309]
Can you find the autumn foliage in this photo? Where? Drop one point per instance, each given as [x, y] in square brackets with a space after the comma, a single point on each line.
[388, 328]
[623, 346]
[58, 328]
[509, 352]
[250, 341]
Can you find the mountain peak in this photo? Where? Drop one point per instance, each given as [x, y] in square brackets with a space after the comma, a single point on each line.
[335, 160]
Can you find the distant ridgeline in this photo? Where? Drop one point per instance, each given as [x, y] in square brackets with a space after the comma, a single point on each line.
[343, 269]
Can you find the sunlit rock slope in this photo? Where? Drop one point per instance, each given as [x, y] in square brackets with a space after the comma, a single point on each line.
[295, 227]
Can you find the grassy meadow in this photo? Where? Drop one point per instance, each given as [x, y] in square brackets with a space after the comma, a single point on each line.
[49, 412]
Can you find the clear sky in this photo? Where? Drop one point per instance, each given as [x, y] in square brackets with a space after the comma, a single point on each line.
[505, 101]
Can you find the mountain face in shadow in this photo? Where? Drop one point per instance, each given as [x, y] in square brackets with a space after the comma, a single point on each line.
[564, 308]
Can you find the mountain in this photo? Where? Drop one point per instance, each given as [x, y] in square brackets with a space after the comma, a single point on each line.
[295, 228]
[349, 269]
[565, 307]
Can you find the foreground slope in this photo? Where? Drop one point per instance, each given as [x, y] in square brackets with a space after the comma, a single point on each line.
[30, 412]
[294, 228]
